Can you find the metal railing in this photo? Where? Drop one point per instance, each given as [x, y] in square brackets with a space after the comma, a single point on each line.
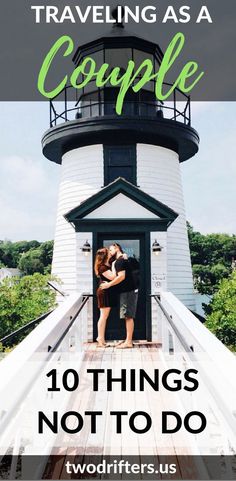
[24, 330]
[84, 299]
[177, 108]
[172, 325]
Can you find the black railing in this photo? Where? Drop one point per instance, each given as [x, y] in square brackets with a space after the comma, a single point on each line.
[19, 334]
[181, 339]
[83, 300]
[56, 288]
[177, 108]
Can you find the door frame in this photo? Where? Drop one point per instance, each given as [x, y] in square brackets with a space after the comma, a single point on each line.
[147, 270]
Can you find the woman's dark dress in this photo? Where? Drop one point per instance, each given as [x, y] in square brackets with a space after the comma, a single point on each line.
[106, 297]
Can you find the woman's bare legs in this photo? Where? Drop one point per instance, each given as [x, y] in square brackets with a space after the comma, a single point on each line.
[102, 321]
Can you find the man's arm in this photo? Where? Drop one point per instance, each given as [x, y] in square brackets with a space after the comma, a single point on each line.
[118, 279]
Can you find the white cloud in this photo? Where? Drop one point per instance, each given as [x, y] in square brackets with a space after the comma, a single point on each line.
[18, 224]
[23, 174]
[28, 199]
[209, 178]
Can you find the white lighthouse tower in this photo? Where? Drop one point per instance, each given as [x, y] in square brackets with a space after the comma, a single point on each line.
[121, 181]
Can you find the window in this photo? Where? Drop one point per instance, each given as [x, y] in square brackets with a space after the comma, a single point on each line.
[120, 161]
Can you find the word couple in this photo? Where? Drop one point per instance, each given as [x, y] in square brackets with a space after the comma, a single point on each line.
[116, 286]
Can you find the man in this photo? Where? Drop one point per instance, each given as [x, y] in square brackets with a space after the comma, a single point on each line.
[128, 294]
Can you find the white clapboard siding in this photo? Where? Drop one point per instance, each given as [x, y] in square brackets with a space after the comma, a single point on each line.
[81, 177]
[158, 174]
[84, 277]
[158, 276]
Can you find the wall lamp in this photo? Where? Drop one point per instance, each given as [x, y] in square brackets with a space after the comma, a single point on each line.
[156, 248]
[86, 249]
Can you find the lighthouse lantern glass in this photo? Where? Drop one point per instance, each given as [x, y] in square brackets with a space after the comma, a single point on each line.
[93, 101]
[118, 57]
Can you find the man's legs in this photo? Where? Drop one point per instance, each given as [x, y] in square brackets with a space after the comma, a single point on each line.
[129, 323]
[127, 311]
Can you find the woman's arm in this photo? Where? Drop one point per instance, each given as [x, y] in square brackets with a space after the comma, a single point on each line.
[110, 275]
[117, 280]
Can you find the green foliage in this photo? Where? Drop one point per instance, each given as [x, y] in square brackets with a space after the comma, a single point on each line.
[222, 317]
[207, 278]
[28, 256]
[5, 349]
[10, 252]
[7, 254]
[211, 257]
[30, 262]
[46, 251]
[22, 300]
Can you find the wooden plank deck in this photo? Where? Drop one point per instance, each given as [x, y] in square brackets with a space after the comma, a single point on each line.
[106, 442]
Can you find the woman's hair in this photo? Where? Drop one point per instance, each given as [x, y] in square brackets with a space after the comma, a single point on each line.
[100, 259]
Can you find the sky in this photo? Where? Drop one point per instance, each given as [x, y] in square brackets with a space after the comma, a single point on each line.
[29, 182]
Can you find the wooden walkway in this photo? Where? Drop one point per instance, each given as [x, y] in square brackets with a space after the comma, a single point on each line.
[106, 442]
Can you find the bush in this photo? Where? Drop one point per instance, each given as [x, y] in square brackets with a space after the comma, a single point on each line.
[30, 262]
[211, 257]
[22, 300]
[222, 318]
[28, 256]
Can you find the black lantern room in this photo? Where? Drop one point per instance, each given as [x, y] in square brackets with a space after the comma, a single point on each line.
[92, 117]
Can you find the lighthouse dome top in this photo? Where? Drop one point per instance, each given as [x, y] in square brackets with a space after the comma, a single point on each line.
[118, 36]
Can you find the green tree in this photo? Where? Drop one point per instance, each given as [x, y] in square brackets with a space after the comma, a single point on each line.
[211, 257]
[22, 300]
[10, 252]
[30, 262]
[221, 319]
[7, 257]
[37, 260]
[1, 256]
[23, 246]
[207, 278]
[46, 252]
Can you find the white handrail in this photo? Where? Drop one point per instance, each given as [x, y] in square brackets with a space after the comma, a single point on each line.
[43, 337]
[49, 342]
[37, 346]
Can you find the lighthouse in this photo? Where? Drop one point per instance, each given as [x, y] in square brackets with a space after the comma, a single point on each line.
[121, 181]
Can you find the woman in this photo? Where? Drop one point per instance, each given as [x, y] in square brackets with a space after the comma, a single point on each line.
[106, 298]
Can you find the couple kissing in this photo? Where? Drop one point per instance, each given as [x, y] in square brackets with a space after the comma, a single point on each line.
[116, 287]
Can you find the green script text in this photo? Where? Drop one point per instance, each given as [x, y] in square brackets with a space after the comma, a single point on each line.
[86, 72]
